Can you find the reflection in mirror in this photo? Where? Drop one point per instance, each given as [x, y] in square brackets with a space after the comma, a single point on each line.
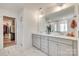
[57, 22]
[58, 26]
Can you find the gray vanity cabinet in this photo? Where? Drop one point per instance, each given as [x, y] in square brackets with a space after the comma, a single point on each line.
[44, 44]
[61, 47]
[36, 41]
[53, 48]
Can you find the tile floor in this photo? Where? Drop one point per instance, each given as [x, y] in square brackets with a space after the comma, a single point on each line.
[16, 51]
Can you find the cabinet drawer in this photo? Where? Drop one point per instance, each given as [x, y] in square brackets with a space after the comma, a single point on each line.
[36, 43]
[44, 41]
[65, 41]
[35, 36]
[61, 40]
[36, 40]
[53, 39]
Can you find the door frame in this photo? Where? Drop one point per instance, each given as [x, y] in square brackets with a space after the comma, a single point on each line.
[15, 29]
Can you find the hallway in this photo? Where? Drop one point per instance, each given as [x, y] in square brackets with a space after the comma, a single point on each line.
[8, 31]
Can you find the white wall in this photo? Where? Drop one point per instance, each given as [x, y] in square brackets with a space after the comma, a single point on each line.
[42, 25]
[29, 26]
[19, 29]
[26, 23]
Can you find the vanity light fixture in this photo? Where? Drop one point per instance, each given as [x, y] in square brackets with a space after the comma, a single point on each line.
[40, 16]
[41, 13]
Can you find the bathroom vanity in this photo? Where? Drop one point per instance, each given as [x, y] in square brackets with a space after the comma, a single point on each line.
[61, 43]
[55, 45]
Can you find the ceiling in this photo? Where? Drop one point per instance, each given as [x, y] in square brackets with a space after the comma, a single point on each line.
[30, 5]
[44, 7]
[20, 5]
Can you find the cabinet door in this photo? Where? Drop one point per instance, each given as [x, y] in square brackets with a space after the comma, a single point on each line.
[44, 44]
[64, 50]
[75, 48]
[36, 41]
[53, 48]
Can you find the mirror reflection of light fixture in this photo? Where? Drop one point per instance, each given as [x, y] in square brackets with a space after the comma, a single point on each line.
[73, 24]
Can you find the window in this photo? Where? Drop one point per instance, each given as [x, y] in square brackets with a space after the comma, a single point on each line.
[63, 26]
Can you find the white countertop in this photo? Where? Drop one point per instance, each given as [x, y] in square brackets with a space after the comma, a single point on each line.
[57, 35]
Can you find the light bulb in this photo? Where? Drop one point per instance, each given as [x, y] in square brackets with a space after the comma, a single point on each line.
[40, 16]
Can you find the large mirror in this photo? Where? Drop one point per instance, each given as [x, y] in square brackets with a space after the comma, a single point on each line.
[58, 22]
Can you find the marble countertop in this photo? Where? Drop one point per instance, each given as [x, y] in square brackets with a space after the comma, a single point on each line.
[56, 35]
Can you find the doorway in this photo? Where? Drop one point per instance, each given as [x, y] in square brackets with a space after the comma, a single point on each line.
[8, 31]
